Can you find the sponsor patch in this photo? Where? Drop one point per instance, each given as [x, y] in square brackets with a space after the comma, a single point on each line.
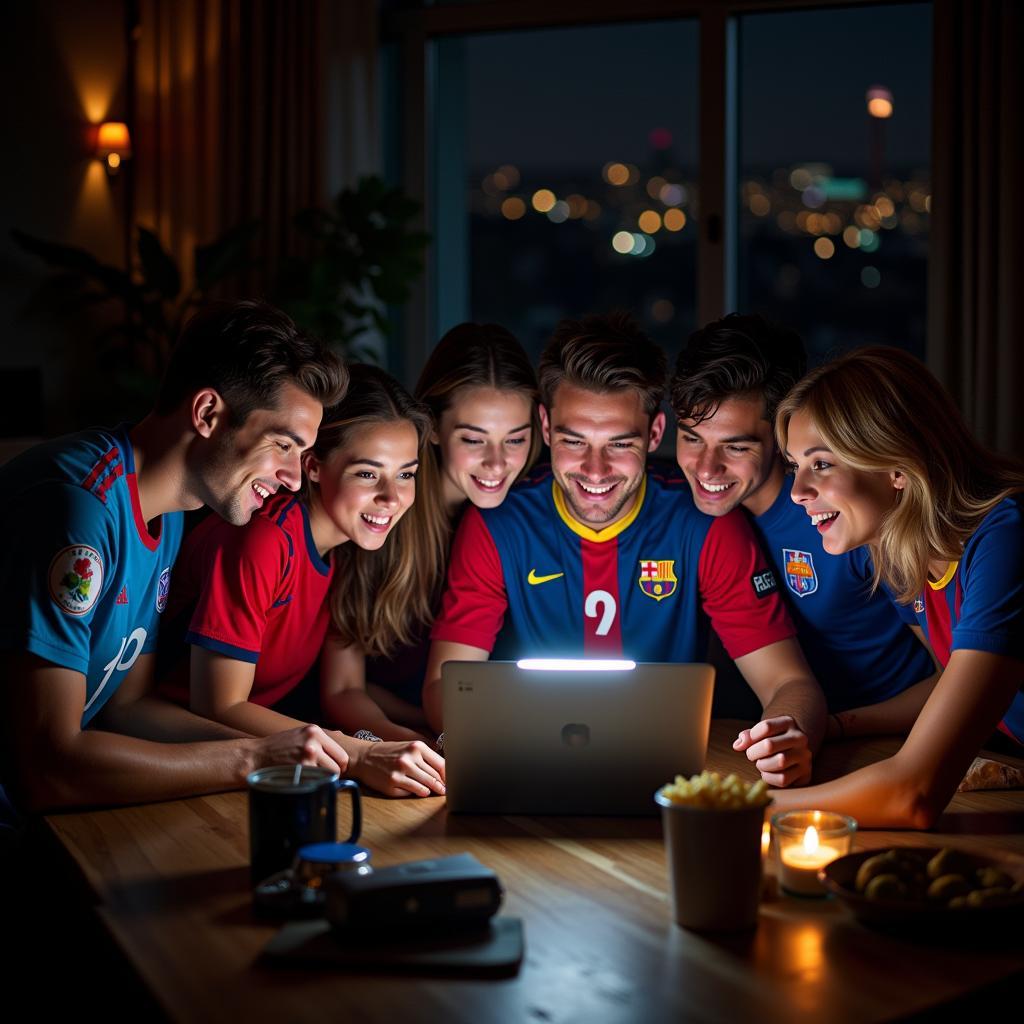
[764, 583]
[800, 575]
[163, 588]
[658, 578]
[76, 578]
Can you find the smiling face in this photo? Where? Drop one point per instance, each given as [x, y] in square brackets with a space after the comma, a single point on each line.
[244, 465]
[729, 457]
[846, 505]
[484, 440]
[364, 486]
[599, 445]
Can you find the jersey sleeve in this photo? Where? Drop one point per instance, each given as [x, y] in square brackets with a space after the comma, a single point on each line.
[992, 607]
[247, 569]
[55, 574]
[739, 589]
[474, 603]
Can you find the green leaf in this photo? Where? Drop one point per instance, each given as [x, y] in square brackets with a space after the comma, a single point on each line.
[224, 256]
[159, 270]
[69, 257]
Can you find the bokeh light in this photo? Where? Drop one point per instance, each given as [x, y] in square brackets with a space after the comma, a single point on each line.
[649, 221]
[674, 220]
[543, 200]
[513, 208]
[824, 248]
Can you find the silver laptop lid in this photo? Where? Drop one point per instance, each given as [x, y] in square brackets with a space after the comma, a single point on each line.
[544, 736]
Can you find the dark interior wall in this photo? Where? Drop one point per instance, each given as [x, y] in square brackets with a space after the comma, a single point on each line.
[62, 64]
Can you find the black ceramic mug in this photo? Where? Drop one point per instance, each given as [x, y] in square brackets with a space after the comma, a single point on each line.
[291, 806]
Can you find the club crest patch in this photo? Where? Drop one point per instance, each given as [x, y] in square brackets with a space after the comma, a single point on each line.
[658, 578]
[800, 575]
[163, 588]
[919, 606]
[76, 578]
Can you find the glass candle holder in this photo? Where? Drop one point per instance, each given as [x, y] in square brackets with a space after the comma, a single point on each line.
[805, 841]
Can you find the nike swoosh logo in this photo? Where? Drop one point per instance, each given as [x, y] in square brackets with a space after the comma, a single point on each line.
[533, 579]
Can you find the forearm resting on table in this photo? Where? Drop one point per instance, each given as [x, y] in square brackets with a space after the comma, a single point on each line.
[400, 711]
[892, 717]
[355, 709]
[151, 718]
[912, 788]
[881, 795]
[255, 720]
[97, 767]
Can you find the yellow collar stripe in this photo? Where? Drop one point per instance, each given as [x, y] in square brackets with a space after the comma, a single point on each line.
[585, 531]
[950, 573]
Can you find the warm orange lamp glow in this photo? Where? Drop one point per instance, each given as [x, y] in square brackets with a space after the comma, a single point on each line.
[113, 144]
[880, 102]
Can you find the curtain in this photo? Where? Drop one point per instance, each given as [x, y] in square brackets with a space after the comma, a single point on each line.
[249, 110]
[976, 259]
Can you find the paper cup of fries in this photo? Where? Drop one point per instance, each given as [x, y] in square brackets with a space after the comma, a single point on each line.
[712, 828]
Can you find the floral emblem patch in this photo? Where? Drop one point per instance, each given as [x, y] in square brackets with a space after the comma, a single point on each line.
[76, 578]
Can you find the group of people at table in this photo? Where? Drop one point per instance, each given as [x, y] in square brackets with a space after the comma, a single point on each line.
[858, 554]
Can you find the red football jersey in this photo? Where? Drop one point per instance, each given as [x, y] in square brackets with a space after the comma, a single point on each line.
[259, 594]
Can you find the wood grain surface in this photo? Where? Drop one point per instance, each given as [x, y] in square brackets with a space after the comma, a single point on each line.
[171, 883]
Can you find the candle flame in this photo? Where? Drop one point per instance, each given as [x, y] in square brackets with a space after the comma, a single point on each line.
[766, 838]
[811, 839]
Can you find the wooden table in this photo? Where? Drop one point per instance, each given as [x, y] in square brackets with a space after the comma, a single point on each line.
[171, 884]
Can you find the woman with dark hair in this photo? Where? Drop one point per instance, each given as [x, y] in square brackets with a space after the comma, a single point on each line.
[482, 394]
[352, 548]
[882, 457]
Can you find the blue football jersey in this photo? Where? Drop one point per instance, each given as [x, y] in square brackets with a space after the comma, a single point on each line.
[979, 604]
[86, 581]
[857, 643]
[642, 588]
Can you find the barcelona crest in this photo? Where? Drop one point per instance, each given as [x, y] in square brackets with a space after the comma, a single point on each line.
[800, 575]
[658, 578]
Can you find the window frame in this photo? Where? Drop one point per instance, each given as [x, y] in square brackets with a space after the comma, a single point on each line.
[415, 30]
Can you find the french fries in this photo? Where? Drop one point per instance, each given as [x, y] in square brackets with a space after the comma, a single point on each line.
[710, 790]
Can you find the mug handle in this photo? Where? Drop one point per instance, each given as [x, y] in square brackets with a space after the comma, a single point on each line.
[357, 809]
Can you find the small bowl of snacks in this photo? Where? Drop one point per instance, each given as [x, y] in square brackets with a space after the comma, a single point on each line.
[925, 887]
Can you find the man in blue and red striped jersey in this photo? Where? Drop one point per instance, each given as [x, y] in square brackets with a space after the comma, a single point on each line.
[599, 558]
[93, 523]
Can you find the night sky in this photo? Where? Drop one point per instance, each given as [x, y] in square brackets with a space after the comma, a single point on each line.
[578, 97]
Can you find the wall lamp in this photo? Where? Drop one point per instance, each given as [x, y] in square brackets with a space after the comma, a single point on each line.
[113, 145]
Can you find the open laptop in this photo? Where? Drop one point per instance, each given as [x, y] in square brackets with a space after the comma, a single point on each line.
[544, 736]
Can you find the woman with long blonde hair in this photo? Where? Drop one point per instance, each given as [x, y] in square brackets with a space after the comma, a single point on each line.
[882, 457]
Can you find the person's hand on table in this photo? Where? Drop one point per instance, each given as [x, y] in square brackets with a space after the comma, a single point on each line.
[400, 768]
[309, 744]
[779, 750]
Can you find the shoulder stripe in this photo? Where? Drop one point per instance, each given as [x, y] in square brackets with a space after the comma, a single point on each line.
[104, 485]
[100, 467]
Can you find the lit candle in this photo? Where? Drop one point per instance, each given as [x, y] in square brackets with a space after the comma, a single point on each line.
[766, 839]
[801, 862]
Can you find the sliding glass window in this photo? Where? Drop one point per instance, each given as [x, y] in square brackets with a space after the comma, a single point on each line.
[564, 166]
[834, 173]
